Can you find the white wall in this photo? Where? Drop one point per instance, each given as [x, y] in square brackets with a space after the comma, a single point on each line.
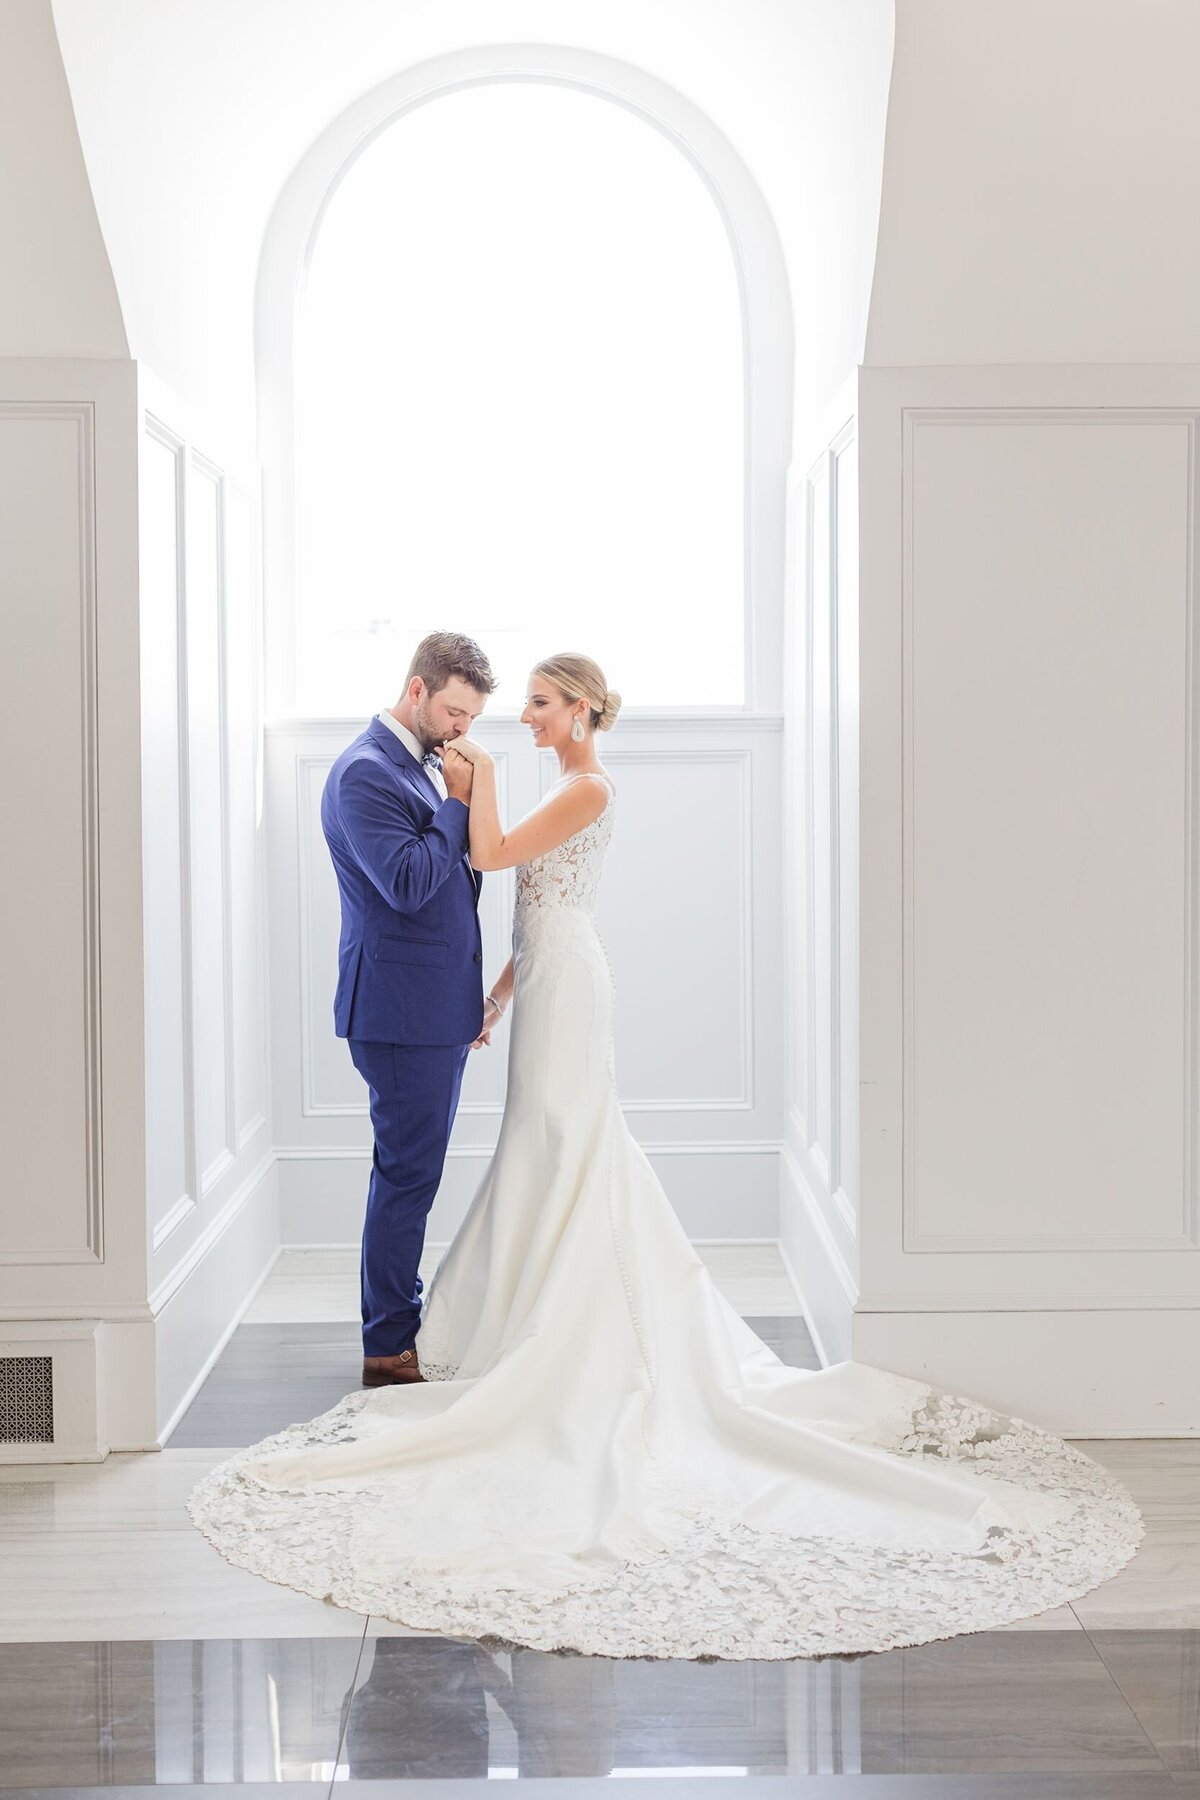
[72, 1243]
[695, 939]
[1023, 545]
[1030, 908]
[1041, 172]
[139, 1204]
[193, 117]
[57, 298]
[210, 1194]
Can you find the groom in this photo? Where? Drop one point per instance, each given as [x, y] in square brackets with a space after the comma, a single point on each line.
[409, 994]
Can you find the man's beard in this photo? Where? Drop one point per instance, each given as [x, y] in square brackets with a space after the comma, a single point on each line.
[425, 729]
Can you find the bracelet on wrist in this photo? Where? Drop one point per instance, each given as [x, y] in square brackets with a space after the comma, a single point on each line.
[492, 1001]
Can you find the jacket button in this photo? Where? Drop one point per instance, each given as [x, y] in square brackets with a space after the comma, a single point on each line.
[479, 956]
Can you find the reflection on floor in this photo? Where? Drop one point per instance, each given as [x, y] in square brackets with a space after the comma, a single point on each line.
[132, 1655]
[1064, 1712]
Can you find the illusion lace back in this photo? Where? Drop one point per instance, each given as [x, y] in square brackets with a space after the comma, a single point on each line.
[608, 1459]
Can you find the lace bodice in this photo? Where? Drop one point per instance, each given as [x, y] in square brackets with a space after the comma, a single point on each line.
[568, 875]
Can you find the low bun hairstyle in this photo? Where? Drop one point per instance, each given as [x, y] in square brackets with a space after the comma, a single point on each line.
[579, 678]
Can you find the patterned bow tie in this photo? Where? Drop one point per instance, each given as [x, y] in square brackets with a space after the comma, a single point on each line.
[432, 760]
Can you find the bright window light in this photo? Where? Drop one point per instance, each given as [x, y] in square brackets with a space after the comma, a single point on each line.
[520, 407]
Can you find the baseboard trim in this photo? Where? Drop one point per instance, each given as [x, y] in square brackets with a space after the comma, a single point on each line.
[322, 1192]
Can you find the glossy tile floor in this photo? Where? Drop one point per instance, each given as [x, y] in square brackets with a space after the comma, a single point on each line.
[132, 1655]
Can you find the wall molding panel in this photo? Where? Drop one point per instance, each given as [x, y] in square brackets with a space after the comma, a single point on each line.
[1030, 894]
[208, 1137]
[694, 934]
[734, 828]
[819, 1222]
[48, 455]
[73, 1226]
[1120, 438]
[323, 1189]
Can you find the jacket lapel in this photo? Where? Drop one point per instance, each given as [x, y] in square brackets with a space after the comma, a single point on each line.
[420, 778]
[405, 761]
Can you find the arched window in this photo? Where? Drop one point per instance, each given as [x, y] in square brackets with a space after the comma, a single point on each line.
[519, 406]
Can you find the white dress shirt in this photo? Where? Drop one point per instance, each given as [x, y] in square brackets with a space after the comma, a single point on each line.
[414, 746]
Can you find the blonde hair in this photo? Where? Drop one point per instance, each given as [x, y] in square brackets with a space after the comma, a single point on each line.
[579, 678]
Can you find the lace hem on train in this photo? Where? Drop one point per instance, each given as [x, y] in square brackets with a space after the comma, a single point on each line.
[623, 1468]
[721, 1588]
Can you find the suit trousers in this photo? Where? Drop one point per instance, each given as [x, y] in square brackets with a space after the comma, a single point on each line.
[414, 1091]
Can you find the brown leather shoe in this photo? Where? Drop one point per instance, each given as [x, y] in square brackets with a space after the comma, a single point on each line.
[391, 1371]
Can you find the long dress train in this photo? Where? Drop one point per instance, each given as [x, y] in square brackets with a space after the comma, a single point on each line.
[607, 1459]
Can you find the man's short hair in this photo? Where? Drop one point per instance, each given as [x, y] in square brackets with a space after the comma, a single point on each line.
[443, 654]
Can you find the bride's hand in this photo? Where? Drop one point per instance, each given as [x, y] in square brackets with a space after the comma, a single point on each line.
[470, 751]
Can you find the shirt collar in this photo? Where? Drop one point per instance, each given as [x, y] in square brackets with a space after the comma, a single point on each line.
[408, 738]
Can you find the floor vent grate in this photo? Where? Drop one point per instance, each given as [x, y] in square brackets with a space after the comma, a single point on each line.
[26, 1400]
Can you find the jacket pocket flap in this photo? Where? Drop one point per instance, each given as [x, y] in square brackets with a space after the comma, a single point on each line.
[433, 952]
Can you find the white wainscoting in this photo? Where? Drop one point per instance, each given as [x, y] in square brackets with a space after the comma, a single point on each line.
[50, 942]
[72, 1224]
[1029, 745]
[819, 1168]
[210, 1187]
[691, 913]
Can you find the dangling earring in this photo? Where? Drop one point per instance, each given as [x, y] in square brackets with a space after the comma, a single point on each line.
[577, 729]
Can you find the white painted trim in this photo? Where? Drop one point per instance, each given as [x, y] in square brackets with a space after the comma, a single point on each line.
[116, 1312]
[213, 472]
[158, 431]
[166, 1225]
[210, 1360]
[1025, 1302]
[692, 1147]
[212, 1233]
[682, 720]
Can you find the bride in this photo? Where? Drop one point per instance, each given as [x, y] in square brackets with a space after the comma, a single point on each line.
[604, 1457]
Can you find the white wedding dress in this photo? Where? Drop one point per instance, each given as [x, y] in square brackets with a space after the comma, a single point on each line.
[607, 1459]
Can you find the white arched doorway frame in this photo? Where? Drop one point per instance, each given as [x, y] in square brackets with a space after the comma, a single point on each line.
[767, 336]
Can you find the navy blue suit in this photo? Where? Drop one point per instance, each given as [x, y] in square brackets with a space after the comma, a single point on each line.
[409, 998]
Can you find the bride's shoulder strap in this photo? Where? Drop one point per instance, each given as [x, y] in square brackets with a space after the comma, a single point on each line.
[582, 774]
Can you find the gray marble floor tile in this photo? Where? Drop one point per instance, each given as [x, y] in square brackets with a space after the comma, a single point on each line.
[1159, 1674]
[1036, 1704]
[671, 1787]
[789, 1338]
[269, 1376]
[88, 1586]
[1159, 1589]
[981, 1718]
[272, 1375]
[140, 1714]
[1039, 1702]
[180, 1790]
[1162, 1474]
[786, 1787]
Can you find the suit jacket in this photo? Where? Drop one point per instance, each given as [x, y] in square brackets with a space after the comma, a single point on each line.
[410, 955]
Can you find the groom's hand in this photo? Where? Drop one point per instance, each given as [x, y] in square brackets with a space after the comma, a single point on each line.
[467, 748]
[458, 775]
[492, 1016]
